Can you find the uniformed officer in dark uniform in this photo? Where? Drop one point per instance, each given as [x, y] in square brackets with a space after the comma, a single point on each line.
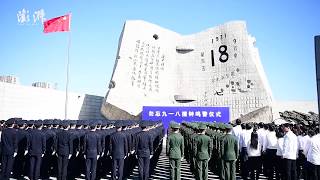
[1, 129]
[134, 130]
[127, 133]
[22, 140]
[144, 151]
[36, 150]
[101, 133]
[54, 159]
[82, 128]
[107, 161]
[118, 148]
[74, 135]
[79, 160]
[92, 149]
[9, 147]
[156, 131]
[64, 150]
[48, 159]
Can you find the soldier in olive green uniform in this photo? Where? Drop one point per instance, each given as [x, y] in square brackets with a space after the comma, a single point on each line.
[192, 155]
[202, 149]
[229, 155]
[211, 132]
[175, 151]
[221, 134]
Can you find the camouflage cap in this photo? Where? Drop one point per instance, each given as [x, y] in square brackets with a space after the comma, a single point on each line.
[228, 126]
[222, 126]
[202, 126]
[175, 126]
[213, 125]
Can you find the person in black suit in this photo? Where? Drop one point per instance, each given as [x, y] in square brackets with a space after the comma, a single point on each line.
[9, 148]
[72, 165]
[118, 148]
[80, 161]
[29, 128]
[106, 165]
[92, 148]
[100, 132]
[127, 133]
[54, 159]
[22, 140]
[1, 129]
[144, 151]
[48, 159]
[64, 150]
[36, 150]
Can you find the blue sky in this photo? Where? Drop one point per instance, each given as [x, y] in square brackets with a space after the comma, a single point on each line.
[284, 30]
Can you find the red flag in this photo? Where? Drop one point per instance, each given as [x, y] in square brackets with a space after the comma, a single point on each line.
[58, 24]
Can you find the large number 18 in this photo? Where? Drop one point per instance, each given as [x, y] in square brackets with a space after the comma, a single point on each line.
[224, 56]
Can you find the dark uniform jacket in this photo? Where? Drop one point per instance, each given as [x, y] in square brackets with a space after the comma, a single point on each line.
[22, 140]
[92, 144]
[9, 141]
[75, 136]
[36, 142]
[118, 145]
[50, 140]
[144, 144]
[101, 134]
[108, 133]
[64, 143]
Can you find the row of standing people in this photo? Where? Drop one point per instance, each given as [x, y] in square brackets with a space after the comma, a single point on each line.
[67, 149]
[281, 152]
[210, 146]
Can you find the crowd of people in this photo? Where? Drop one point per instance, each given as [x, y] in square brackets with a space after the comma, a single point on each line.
[287, 151]
[284, 152]
[210, 146]
[66, 149]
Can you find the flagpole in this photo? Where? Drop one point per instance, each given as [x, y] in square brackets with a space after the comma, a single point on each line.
[67, 78]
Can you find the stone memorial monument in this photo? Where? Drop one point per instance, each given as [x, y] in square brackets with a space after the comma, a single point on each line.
[216, 67]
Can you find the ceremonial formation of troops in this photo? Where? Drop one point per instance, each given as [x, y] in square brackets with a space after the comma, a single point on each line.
[66, 149]
[284, 152]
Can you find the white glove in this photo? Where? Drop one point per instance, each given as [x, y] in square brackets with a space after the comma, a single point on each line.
[69, 156]
[14, 154]
[25, 152]
[53, 153]
[151, 156]
[77, 153]
[84, 156]
[98, 156]
[42, 155]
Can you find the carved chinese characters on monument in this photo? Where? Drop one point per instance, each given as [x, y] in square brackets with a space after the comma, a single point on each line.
[148, 63]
